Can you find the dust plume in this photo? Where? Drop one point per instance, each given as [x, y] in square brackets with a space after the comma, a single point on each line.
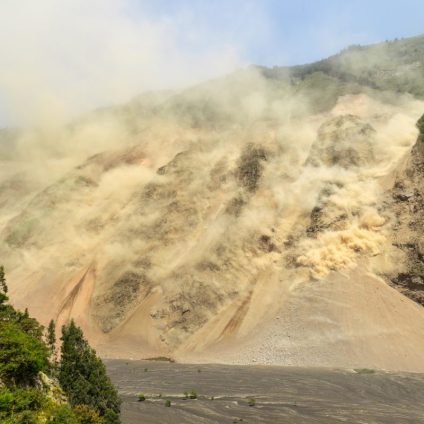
[150, 218]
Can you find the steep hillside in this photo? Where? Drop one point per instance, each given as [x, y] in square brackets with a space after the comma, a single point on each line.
[406, 204]
[248, 211]
[393, 66]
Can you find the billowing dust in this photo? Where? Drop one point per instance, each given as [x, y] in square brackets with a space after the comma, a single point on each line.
[175, 212]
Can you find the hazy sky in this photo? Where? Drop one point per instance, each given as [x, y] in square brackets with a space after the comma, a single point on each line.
[63, 57]
[276, 32]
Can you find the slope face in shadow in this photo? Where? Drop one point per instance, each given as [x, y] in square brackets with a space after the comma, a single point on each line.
[405, 203]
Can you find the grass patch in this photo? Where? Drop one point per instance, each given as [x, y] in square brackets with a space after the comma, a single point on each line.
[190, 395]
[364, 371]
[251, 402]
[161, 359]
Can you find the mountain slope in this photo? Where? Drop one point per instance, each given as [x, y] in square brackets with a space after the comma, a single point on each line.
[406, 202]
[183, 224]
[391, 66]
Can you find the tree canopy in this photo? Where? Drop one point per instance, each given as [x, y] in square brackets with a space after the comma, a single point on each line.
[28, 362]
[83, 376]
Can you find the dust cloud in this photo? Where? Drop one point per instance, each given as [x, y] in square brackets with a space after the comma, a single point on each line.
[176, 205]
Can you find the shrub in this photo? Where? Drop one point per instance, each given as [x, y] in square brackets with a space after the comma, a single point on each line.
[22, 355]
[6, 400]
[251, 402]
[20, 406]
[168, 403]
[28, 399]
[111, 417]
[27, 418]
[87, 415]
[193, 394]
[63, 414]
[364, 371]
[141, 397]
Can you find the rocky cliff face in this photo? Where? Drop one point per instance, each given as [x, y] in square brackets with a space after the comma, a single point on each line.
[406, 203]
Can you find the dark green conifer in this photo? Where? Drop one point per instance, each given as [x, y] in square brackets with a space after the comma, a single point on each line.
[51, 335]
[22, 355]
[3, 286]
[51, 344]
[83, 376]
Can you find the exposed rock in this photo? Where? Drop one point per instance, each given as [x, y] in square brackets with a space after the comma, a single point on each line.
[51, 388]
[345, 141]
[250, 167]
[407, 205]
[120, 298]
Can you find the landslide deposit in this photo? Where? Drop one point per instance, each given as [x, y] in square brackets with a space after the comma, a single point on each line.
[270, 216]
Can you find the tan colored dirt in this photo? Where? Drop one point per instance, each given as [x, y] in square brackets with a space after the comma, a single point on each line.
[238, 244]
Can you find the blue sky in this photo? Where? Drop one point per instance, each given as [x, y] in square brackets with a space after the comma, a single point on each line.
[60, 58]
[293, 31]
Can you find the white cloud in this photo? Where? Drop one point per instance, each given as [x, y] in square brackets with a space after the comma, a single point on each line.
[61, 57]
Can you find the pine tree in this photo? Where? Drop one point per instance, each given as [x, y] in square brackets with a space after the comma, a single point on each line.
[51, 336]
[420, 125]
[3, 284]
[51, 343]
[83, 376]
[3, 287]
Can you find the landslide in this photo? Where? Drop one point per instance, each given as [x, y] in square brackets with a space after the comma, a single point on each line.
[405, 202]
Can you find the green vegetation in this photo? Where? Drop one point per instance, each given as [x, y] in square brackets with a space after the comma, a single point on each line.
[190, 395]
[141, 397]
[87, 415]
[393, 66]
[22, 356]
[63, 414]
[161, 359]
[251, 402]
[51, 344]
[364, 371]
[168, 403]
[29, 392]
[83, 376]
